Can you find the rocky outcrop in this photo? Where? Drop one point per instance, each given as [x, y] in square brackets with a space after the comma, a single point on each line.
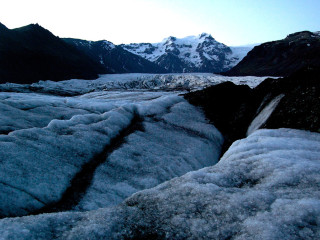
[227, 106]
[300, 105]
[32, 53]
[232, 108]
[281, 58]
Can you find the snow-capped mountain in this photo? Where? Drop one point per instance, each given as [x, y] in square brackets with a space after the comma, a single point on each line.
[173, 55]
[190, 54]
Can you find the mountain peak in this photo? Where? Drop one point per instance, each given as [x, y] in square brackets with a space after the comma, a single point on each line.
[34, 32]
[169, 40]
[299, 35]
[205, 35]
[33, 26]
[3, 27]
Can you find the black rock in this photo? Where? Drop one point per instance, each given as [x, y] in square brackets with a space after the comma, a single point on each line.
[300, 106]
[228, 108]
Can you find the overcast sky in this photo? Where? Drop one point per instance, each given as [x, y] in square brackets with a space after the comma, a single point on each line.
[233, 22]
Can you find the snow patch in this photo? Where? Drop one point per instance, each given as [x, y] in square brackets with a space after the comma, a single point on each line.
[237, 54]
[108, 45]
[263, 116]
[317, 33]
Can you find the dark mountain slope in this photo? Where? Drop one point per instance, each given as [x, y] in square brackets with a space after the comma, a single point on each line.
[281, 58]
[114, 58]
[32, 53]
[171, 63]
[232, 108]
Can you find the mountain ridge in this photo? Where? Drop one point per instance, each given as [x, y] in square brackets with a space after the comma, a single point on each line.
[32, 53]
[113, 58]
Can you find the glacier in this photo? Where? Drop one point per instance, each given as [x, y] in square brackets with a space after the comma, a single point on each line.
[181, 82]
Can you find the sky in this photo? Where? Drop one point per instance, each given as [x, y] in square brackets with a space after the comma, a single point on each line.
[232, 22]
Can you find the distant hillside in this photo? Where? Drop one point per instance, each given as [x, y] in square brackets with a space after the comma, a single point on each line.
[281, 58]
[114, 59]
[32, 53]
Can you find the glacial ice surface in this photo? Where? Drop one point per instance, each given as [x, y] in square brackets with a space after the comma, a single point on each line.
[266, 186]
[45, 141]
[132, 81]
[171, 144]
